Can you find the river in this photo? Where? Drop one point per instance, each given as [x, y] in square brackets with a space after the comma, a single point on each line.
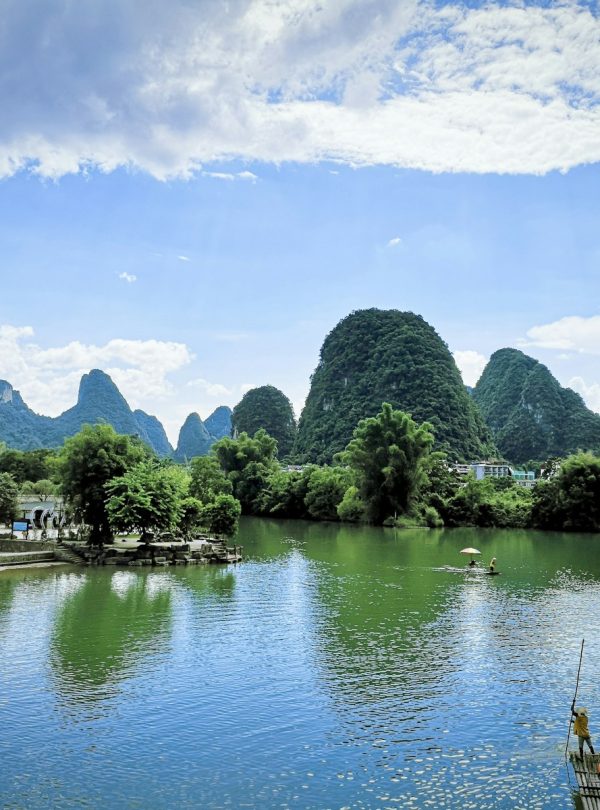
[334, 668]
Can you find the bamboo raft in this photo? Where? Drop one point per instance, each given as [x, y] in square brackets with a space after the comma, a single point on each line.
[588, 779]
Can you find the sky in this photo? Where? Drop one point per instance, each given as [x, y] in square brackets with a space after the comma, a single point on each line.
[193, 194]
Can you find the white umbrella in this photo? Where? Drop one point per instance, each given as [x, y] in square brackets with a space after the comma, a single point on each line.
[471, 552]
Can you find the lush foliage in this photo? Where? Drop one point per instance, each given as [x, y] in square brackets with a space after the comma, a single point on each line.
[491, 502]
[147, 498]
[530, 415]
[221, 516]
[325, 490]
[571, 499]
[32, 465]
[207, 479]
[9, 492]
[247, 462]
[190, 516]
[388, 454]
[374, 356]
[268, 408]
[88, 461]
[42, 489]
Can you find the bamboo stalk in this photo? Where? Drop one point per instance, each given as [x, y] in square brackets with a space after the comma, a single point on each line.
[574, 696]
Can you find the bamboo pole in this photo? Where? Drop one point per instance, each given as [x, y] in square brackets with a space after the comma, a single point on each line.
[574, 696]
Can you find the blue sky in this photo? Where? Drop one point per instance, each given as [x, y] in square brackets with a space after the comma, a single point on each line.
[196, 233]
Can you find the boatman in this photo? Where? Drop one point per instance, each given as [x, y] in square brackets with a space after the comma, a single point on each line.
[492, 565]
[580, 728]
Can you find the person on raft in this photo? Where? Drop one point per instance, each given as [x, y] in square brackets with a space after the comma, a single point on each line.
[472, 563]
[492, 565]
[580, 728]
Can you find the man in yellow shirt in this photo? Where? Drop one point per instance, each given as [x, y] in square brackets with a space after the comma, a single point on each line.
[580, 728]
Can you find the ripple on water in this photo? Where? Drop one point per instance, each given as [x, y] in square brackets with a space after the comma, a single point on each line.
[341, 673]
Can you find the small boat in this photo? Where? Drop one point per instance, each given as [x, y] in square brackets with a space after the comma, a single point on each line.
[469, 570]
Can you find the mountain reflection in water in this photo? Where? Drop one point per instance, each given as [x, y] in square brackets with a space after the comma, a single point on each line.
[336, 667]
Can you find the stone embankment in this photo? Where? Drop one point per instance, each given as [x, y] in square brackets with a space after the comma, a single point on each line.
[195, 553]
[19, 553]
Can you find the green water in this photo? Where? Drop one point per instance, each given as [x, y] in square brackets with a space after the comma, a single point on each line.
[337, 667]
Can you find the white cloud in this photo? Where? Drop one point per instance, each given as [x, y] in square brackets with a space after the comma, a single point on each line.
[220, 175]
[230, 176]
[572, 333]
[128, 277]
[170, 87]
[590, 393]
[470, 365]
[48, 378]
[184, 258]
[395, 241]
[212, 389]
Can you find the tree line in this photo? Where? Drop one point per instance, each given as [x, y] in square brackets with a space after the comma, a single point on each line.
[388, 474]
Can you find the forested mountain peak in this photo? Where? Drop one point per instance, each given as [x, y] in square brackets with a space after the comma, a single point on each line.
[267, 407]
[99, 400]
[218, 423]
[194, 439]
[152, 432]
[97, 382]
[374, 356]
[531, 416]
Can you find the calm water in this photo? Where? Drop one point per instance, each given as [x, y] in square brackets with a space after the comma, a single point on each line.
[334, 668]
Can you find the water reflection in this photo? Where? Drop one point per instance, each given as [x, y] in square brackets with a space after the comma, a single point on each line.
[337, 667]
[461, 678]
[102, 630]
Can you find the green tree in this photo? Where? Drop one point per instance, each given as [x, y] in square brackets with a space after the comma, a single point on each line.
[247, 462]
[44, 489]
[498, 502]
[441, 483]
[388, 454]
[208, 479]
[268, 408]
[325, 491]
[9, 493]
[27, 488]
[146, 498]
[571, 500]
[284, 493]
[352, 508]
[87, 462]
[221, 517]
[28, 465]
[190, 518]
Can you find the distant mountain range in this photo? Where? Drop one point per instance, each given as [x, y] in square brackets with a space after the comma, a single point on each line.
[100, 400]
[517, 410]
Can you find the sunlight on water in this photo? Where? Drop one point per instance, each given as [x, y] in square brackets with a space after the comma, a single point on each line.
[336, 667]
